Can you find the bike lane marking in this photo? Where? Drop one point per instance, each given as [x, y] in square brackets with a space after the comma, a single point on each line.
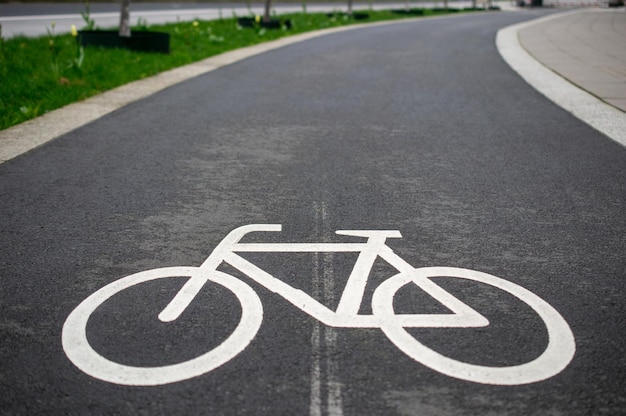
[555, 358]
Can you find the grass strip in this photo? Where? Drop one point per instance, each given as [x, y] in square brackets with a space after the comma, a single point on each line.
[45, 73]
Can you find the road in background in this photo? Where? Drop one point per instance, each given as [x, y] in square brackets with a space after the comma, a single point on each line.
[418, 127]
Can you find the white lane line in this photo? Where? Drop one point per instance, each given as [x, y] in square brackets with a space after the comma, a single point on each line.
[324, 379]
[315, 406]
[584, 106]
[333, 386]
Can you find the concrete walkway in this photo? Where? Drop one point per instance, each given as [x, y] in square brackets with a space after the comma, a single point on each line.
[588, 48]
[585, 72]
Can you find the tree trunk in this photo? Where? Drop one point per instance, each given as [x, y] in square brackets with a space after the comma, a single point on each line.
[349, 7]
[266, 15]
[125, 19]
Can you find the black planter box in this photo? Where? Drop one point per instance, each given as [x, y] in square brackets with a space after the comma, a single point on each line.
[354, 15]
[272, 24]
[360, 16]
[410, 12]
[138, 41]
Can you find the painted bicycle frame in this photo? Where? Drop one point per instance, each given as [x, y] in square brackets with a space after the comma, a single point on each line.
[557, 355]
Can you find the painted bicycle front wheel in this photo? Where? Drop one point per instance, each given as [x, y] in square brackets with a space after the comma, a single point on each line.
[557, 355]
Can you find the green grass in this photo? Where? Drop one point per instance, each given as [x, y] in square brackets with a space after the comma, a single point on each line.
[31, 86]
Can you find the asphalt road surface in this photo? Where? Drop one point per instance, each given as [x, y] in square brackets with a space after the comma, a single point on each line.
[418, 127]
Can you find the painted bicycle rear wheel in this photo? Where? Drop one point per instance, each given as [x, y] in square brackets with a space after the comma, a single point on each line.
[86, 358]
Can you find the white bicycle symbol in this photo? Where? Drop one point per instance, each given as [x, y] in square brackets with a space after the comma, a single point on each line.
[559, 352]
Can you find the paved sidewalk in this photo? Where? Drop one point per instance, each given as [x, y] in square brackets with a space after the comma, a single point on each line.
[587, 47]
